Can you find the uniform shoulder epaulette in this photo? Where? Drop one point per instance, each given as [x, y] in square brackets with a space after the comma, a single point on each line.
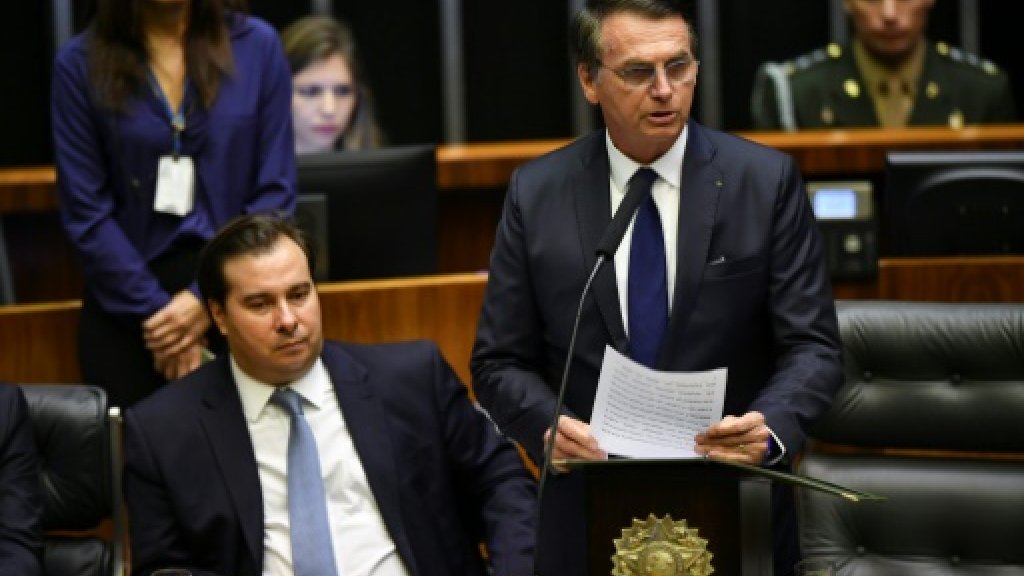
[968, 59]
[811, 59]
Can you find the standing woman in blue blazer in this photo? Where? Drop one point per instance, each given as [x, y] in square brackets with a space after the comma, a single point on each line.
[169, 118]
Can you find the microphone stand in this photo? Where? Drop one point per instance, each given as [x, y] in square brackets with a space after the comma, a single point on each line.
[549, 445]
[606, 248]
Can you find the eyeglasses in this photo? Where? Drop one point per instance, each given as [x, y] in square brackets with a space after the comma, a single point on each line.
[313, 91]
[679, 71]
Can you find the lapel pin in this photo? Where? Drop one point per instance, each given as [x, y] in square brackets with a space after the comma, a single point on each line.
[851, 88]
[956, 119]
[828, 117]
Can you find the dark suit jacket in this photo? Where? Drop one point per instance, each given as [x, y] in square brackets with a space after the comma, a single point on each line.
[954, 87]
[443, 477]
[21, 507]
[752, 294]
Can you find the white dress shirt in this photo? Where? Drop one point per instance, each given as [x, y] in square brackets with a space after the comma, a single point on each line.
[666, 191]
[362, 545]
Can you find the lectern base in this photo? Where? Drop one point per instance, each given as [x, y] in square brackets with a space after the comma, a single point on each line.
[728, 508]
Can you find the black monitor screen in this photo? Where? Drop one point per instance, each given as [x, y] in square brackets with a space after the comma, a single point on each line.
[381, 210]
[953, 203]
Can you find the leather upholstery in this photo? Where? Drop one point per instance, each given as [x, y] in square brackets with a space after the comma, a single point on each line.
[72, 436]
[943, 384]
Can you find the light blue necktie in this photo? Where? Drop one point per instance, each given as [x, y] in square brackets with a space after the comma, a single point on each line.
[312, 552]
[648, 289]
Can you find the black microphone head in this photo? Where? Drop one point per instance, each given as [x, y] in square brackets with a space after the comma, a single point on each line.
[639, 188]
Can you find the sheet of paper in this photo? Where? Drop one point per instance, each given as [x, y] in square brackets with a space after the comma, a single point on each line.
[645, 413]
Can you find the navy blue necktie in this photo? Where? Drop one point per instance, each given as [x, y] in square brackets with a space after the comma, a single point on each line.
[312, 551]
[648, 289]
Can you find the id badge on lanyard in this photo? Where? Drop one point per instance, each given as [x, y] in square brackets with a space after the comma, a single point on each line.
[175, 173]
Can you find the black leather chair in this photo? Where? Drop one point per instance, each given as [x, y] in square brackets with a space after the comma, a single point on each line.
[78, 442]
[931, 417]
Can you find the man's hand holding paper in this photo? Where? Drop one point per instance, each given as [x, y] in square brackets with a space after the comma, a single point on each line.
[645, 413]
[741, 439]
[574, 442]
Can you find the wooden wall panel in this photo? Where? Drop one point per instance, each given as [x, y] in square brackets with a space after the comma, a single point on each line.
[957, 279]
[39, 343]
[40, 340]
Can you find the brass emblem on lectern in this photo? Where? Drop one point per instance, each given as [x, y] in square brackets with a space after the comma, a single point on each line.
[661, 547]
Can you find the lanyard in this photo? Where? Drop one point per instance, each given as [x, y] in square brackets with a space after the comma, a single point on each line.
[177, 117]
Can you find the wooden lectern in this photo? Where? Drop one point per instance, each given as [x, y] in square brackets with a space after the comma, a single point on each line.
[727, 504]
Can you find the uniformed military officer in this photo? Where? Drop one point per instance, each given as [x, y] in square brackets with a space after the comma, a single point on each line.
[889, 75]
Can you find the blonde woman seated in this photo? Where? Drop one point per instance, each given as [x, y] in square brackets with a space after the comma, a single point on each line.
[331, 106]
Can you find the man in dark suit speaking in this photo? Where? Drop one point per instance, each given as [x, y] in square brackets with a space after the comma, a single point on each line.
[295, 456]
[721, 267]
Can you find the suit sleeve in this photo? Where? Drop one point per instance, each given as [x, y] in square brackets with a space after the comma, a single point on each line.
[501, 492]
[21, 507]
[115, 271]
[808, 369]
[156, 540]
[508, 355]
[276, 180]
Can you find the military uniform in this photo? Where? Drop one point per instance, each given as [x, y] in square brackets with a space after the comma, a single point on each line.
[825, 89]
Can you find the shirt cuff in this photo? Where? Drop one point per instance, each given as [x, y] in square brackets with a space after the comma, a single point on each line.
[776, 450]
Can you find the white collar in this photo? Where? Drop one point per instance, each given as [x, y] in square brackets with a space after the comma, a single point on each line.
[255, 395]
[669, 165]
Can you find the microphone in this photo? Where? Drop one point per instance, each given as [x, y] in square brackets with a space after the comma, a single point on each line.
[605, 251]
[635, 195]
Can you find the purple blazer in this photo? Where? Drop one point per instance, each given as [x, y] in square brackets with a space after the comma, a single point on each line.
[242, 147]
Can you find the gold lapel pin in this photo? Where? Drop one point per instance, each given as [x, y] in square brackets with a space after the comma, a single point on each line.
[828, 117]
[851, 88]
[956, 119]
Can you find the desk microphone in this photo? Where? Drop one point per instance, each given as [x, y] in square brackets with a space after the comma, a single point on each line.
[606, 248]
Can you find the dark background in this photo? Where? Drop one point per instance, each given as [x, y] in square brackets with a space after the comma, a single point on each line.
[517, 71]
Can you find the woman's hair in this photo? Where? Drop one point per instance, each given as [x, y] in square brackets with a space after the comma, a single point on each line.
[312, 39]
[117, 53]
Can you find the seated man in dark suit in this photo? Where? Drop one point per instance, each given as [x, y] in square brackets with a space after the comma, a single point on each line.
[890, 75]
[21, 507]
[296, 456]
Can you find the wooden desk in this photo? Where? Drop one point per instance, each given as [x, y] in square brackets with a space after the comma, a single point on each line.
[29, 189]
[859, 151]
[862, 151]
[489, 164]
[472, 179]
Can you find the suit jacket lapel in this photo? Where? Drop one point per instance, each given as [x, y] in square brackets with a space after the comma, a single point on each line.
[367, 422]
[592, 195]
[223, 421]
[700, 189]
